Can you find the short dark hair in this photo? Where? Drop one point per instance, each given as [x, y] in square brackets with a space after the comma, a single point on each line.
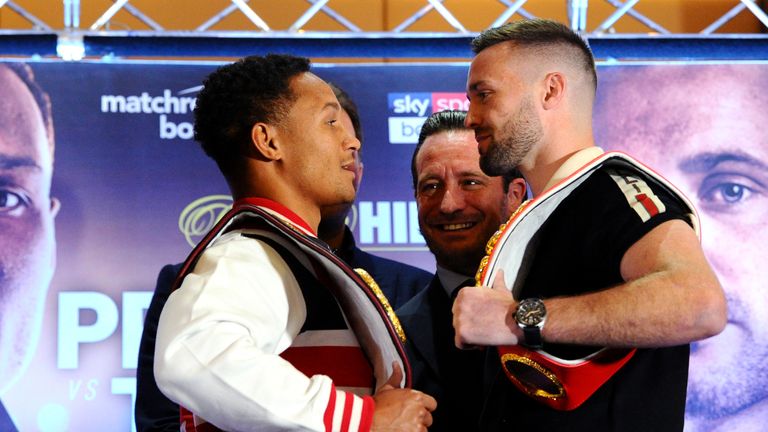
[445, 121]
[238, 95]
[43, 101]
[538, 32]
[348, 105]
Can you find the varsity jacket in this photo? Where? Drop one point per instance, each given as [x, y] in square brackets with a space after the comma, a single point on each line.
[269, 330]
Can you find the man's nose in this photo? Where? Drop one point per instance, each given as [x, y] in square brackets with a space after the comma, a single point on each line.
[352, 143]
[471, 120]
[452, 201]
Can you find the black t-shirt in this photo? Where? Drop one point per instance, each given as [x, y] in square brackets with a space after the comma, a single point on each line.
[577, 250]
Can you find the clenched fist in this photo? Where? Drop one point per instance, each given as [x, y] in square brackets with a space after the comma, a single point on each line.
[483, 317]
[401, 410]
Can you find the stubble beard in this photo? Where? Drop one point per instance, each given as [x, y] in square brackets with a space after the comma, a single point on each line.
[515, 140]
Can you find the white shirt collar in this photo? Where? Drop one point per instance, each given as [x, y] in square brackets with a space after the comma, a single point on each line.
[450, 279]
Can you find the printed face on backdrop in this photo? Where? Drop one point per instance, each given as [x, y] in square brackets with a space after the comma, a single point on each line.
[703, 128]
[27, 245]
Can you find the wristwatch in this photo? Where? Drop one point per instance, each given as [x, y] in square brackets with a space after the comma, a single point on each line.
[530, 316]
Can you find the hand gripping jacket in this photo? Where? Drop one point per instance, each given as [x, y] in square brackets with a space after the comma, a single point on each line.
[559, 383]
[365, 308]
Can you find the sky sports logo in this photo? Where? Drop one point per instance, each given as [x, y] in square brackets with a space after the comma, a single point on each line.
[407, 112]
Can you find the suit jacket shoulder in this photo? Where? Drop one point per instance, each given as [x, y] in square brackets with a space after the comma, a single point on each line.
[398, 281]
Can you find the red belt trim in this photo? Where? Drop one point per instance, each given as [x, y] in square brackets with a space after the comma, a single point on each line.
[579, 381]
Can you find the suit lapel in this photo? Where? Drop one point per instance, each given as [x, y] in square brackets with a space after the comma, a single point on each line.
[431, 306]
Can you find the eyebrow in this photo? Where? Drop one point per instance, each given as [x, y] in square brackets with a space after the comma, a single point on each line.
[461, 175]
[10, 162]
[427, 176]
[333, 105]
[708, 161]
[475, 85]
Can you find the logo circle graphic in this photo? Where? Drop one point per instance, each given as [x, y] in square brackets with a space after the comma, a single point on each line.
[199, 216]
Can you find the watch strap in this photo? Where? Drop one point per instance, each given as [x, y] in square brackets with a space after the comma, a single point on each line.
[532, 337]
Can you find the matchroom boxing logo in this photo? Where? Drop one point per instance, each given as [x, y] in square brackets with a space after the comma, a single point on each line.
[174, 111]
[407, 112]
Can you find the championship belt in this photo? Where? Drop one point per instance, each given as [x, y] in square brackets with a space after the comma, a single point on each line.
[363, 304]
[562, 384]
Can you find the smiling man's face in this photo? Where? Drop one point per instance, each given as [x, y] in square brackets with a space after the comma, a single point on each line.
[459, 206]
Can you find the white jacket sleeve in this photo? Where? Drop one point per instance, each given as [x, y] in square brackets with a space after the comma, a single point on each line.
[219, 340]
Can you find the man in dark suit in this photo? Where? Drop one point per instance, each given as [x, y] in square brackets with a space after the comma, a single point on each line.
[459, 209]
[398, 281]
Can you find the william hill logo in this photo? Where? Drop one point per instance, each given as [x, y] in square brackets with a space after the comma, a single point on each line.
[379, 225]
[407, 112]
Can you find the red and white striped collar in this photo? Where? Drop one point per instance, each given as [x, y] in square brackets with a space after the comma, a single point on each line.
[280, 211]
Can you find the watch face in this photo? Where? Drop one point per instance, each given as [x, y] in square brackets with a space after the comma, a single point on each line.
[530, 312]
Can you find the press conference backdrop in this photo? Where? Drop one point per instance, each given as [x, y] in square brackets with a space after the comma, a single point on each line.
[136, 193]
